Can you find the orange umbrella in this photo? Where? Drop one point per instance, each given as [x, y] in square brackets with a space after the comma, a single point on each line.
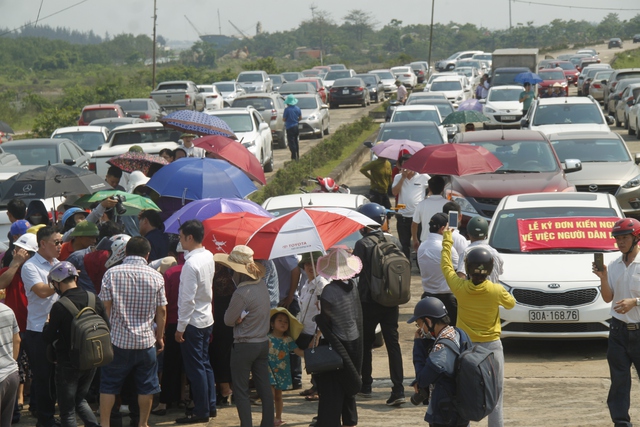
[222, 232]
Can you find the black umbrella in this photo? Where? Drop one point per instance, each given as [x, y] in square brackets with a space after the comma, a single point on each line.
[5, 127]
[52, 181]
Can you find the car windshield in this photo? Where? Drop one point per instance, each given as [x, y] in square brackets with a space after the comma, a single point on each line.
[88, 141]
[504, 78]
[468, 71]
[296, 87]
[276, 79]
[337, 74]
[142, 136]
[173, 86]
[348, 83]
[257, 103]
[591, 150]
[34, 154]
[114, 123]
[427, 135]
[504, 95]
[369, 80]
[454, 56]
[551, 75]
[237, 122]
[291, 76]
[225, 87]
[565, 66]
[250, 77]
[416, 116]
[505, 237]
[560, 114]
[575, 61]
[133, 105]
[484, 56]
[307, 103]
[384, 75]
[91, 115]
[602, 75]
[435, 76]
[522, 156]
[444, 108]
[402, 70]
[446, 86]
[205, 89]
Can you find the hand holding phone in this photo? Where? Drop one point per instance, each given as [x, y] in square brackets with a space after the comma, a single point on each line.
[598, 260]
[453, 219]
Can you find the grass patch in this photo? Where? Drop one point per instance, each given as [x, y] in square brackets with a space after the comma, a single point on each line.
[628, 59]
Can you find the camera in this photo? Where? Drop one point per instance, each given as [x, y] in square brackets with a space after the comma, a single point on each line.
[420, 396]
[120, 209]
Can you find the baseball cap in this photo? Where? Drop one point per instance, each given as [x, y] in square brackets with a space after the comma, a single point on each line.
[61, 271]
[28, 242]
[438, 220]
[85, 228]
[19, 227]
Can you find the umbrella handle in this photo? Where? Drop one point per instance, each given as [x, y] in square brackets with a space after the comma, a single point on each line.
[184, 196]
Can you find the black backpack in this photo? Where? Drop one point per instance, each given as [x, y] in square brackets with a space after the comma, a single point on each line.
[477, 391]
[90, 345]
[390, 273]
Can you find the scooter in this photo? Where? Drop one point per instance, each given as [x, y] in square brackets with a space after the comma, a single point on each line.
[325, 185]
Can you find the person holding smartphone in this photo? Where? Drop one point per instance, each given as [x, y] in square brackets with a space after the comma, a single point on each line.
[620, 285]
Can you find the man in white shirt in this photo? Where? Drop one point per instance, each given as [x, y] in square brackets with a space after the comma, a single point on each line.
[195, 321]
[426, 209]
[189, 148]
[410, 188]
[477, 229]
[429, 256]
[401, 96]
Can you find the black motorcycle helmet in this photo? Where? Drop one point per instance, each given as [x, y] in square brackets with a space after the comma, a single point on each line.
[479, 264]
[374, 211]
[428, 307]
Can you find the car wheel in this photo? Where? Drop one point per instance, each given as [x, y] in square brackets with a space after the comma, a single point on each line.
[637, 129]
[364, 102]
[327, 130]
[631, 131]
[618, 122]
[282, 140]
[626, 122]
[333, 106]
[268, 167]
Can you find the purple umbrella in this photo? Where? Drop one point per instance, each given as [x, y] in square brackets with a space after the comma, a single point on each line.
[470, 105]
[206, 208]
[198, 123]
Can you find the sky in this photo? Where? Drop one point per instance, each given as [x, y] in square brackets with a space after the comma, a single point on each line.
[135, 16]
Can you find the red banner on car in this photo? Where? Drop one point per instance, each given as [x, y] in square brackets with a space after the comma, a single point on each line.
[566, 233]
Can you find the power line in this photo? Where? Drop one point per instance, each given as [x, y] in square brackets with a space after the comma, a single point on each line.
[573, 7]
[44, 17]
[39, 10]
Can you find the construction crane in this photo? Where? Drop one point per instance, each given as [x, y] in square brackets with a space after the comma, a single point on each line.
[194, 27]
[239, 30]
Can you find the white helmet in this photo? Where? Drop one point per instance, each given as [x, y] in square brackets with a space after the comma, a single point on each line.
[118, 249]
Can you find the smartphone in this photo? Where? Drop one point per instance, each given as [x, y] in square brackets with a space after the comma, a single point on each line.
[243, 314]
[453, 219]
[598, 259]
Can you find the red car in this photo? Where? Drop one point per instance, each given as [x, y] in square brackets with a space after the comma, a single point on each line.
[569, 70]
[100, 111]
[319, 84]
[551, 76]
[530, 165]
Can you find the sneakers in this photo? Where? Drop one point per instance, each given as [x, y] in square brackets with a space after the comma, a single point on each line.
[396, 400]
[365, 392]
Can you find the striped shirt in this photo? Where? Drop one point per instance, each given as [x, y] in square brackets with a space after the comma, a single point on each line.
[8, 328]
[135, 291]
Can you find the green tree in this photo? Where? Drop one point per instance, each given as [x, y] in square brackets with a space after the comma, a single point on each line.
[53, 119]
[358, 23]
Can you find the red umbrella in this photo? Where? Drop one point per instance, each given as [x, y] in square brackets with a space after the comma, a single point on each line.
[453, 159]
[233, 152]
[222, 232]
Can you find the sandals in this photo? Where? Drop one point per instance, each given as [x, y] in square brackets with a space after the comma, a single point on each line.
[308, 392]
[312, 397]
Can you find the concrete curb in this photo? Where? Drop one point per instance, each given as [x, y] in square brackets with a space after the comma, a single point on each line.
[353, 162]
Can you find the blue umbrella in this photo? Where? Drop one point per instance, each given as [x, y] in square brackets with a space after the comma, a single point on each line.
[206, 208]
[194, 178]
[198, 123]
[528, 77]
[470, 105]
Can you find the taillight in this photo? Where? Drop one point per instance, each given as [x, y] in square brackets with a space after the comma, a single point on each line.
[359, 89]
[596, 86]
[334, 90]
[187, 99]
[92, 167]
[145, 116]
[407, 75]
[274, 114]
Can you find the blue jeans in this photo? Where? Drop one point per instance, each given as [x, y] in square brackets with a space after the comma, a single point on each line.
[195, 358]
[72, 386]
[624, 350]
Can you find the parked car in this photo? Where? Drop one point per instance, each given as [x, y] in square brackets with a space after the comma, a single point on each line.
[502, 107]
[45, 151]
[313, 73]
[529, 165]
[420, 70]
[334, 75]
[575, 59]
[585, 62]
[318, 83]
[113, 123]
[337, 66]
[484, 57]
[255, 81]
[374, 85]
[615, 42]
[178, 95]
[614, 79]
[146, 109]
[405, 75]
[432, 77]
[569, 70]
[427, 133]
[557, 295]
[89, 138]
[316, 120]
[294, 88]
[636, 38]
[276, 80]
[634, 119]
[352, 90]
[594, 86]
[388, 81]
[442, 104]
[419, 113]
[472, 74]
[230, 90]
[450, 62]
[99, 111]
[567, 114]
[506, 75]
[550, 77]
[271, 107]
[251, 129]
[588, 51]
[453, 88]
[607, 166]
[585, 71]
[418, 98]
[627, 99]
[616, 95]
[213, 99]
[291, 76]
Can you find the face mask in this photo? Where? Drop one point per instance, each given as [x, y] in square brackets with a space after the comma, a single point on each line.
[35, 219]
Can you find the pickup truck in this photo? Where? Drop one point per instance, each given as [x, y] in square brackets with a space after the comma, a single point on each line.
[179, 95]
[151, 137]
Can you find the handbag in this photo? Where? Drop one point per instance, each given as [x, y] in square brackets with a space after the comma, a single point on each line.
[321, 359]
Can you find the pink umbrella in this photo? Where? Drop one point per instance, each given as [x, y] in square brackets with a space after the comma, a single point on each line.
[470, 105]
[391, 148]
[453, 159]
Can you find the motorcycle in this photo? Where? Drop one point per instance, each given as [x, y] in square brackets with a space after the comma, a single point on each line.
[325, 185]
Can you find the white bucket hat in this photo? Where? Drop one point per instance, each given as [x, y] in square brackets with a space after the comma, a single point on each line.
[338, 264]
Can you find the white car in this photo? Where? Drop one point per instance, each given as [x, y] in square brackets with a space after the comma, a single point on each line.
[566, 114]
[388, 79]
[406, 76]
[213, 99]
[230, 91]
[432, 77]
[89, 138]
[334, 75]
[547, 243]
[251, 130]
[472, 74]
[315, 119]
[502, 107]
[456, 88]
[634, 119]
[419, 113]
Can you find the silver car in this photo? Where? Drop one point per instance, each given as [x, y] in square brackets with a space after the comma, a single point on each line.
[255, 81]
[271, 107]
[388, 80]
[315, 116]
[230, 91]
[596, 87]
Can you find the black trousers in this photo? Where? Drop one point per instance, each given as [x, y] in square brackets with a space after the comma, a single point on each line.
[404, 234]
[334, 403]
[380, 198]
[450, 303]
[42, 385]
[372, 315]
[293, 138]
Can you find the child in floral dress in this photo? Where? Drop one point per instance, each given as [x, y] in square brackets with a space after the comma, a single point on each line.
[283, 332]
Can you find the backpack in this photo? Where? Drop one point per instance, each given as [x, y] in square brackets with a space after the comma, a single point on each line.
[477, 391]
[390, 273]
[90, 345]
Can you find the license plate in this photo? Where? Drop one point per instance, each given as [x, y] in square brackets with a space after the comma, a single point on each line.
[300, 127]
[508, 117]
[345, 91]
[554, 315]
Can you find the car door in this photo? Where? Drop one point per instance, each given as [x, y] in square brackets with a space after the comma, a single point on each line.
[621, 103]
[261, 132]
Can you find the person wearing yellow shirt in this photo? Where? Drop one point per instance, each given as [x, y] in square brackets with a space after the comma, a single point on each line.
[478, 306]
[379, 173]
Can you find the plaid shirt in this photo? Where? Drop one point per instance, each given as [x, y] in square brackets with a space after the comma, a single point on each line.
[135, 291]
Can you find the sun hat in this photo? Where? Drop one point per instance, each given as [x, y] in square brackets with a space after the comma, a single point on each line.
[85, 229]
[28, 242]
[187, 135]
[19, 227]
[241, 260]
[166, 263]
[338, 264]
[291, 100]
[34, 228]
[295, 327]
[136, 178]
[307, 257]
[61, 271]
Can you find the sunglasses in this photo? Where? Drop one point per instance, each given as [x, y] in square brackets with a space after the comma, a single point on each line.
[57, 242]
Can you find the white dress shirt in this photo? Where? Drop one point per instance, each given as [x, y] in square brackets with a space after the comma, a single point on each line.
[429, 256]
[625, 283]
[35, 270]
[411, 193]
[425, 210]
[460, 244]
[196, 290]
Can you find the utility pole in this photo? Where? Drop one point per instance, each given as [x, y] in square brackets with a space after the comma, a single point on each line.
[510, 26]
[155, 17]
[431, 36]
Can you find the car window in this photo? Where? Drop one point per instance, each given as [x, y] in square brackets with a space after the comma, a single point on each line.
[445, 86]
[250, 77]
[34, 155]
[65, 153]
[503, 95]
[427, 135]
[259, 104]
[307, 103]
[257, 119]
[416, 116]
[88, 141]
[551, 75]
[522, 156]
[225, 87]
[134, 137]
[591, 150]
[240, 122]
[173, 86]
[91, 115]
[567, 114]
[75, 151]
[565, 66]
[133, 105]
[384, 75]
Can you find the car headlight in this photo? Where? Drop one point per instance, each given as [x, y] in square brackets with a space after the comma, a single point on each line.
[505, 286]
[632, 183]
[489, 110]
[311, 117]
[465, 206]
[459, 98]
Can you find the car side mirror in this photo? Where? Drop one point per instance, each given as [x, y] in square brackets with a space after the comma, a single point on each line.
[69, 162]
[263, 126]
[324, 106]
[604, 82]
[572, 165]
[482, 101]
[369, 144]
[610, 120]
[637, 158]
[524, 123]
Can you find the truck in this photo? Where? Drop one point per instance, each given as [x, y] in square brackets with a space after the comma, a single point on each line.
[515, 58]
[179, 95]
